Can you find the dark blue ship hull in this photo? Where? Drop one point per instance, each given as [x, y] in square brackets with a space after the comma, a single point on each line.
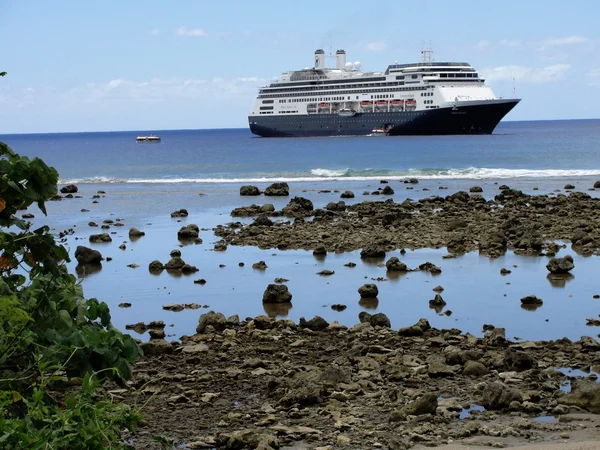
[472, 119]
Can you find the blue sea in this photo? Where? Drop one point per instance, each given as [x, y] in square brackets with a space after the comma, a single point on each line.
[202, 170]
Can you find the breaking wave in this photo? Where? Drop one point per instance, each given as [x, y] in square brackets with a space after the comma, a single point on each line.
[347, 174]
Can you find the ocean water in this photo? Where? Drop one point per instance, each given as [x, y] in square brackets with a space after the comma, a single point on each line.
[202, 171]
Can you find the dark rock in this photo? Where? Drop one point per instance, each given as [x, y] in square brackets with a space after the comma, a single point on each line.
[317, 323]
[585, 395]
[175, 263]
[157, 334]
[188, 268]
[376, 320]
[504, 271]
[497, 395]
[156, 266]
[347, 194]
[597, 184]
[560, 265]
[139, 327]
[569, 186]
[431, 268]
[320, 251]
[427, 404]
[476, 189]
[104, 237]
[437, 301]
[216, 320]
[188, 232]
[277, 293]
[338, 307]
[156, 347]
[180, 213]
[395, 265]
[531, 300]
[69, 189]
[134, 232]
[261, 265]
[298, 205]
[517, 360]
[372, 251]
[262, 220]
[249, 190]
[387, 191]
[368, 291]
[474, 369]
[278, 190]
[85, 255]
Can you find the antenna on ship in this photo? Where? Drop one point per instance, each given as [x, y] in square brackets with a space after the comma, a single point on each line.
[427, 52]
[514, 89]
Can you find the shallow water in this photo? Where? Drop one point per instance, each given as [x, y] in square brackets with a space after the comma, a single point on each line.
[474, 289]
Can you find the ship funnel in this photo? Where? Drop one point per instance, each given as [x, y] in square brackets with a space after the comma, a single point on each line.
[340, 59]
[320, 59]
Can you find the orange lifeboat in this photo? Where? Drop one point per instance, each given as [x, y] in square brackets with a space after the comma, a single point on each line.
[323, 105]
[411, 102]
[382, 102]
[397, 102]
[366, 103]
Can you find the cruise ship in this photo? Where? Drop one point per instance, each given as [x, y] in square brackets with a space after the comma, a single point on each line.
[424, 98]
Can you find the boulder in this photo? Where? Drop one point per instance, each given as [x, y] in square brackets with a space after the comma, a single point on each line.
[431, 268]
[475, 189]
[347, 194]
[474, 369]
[317, 323]
[372, 251]
[426, 404]
[518, 360]
[395, 265]
[156, 347]
[531, 300]
[387, 191]
[216, 320]
[368, 290]
[560, 265]
[156, 266]
[262, 221]
[85, 255]
[585, 394]
[188, 232]
[261, 265]
[298, 205]
[180, 213]
[69, 189]
[376, 320]
[597, 184]
[277, 293]
[278, 190]
[249, 190]
[104, 237]
[134, 232]
[175, 263]
[437, 301]
[497, 395]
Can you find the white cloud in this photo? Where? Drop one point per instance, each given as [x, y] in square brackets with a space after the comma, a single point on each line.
[184, 31]
[376, 46]
[510, 42]
[154, 31]
[568, 40]
[526, 74]
[594, 77]
[483, 44]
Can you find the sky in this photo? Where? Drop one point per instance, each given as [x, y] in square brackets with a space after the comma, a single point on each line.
[193, 64]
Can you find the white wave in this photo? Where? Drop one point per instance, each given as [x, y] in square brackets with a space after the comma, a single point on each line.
[322, 175]
[329, 172]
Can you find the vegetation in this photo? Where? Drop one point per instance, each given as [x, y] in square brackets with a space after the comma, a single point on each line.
[56, 347]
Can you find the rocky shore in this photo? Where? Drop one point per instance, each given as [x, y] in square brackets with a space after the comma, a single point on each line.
[462, 222]
[266, 384]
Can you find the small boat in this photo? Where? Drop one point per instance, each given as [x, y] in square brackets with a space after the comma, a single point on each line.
[397, 102]
[366, 103]
[323, 105]
[150, 138]
[378, 132]
[382, 102]
[346, 112]
[410, 102]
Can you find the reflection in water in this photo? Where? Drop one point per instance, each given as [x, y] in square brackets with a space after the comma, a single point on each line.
[559, 280]
[369, 303]
[373, 261]
[84, 270]
[277, 309]
[530, 307]
[436, 308]
[320, 256]
[174, 273]
[395, 275]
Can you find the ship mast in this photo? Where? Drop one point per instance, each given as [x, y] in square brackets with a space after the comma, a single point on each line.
[427, 52]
